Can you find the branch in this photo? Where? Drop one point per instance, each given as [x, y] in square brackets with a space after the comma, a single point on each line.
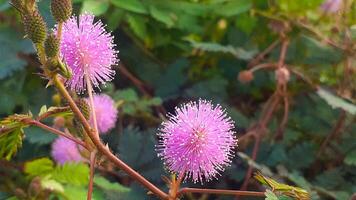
[52, 112]
[336, 131]
[262, 55]
[91, 177]
[101, 147]
[223, 192]
[57, 132]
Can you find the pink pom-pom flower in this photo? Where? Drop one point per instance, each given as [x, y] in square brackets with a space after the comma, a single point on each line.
[198, 141]
[331, 6]
[105, 111]
[87, 49]
[65, 150]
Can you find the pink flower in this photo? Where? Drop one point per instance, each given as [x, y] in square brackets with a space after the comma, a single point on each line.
[198, 141]
[105, 111]
[331, 6]
[87, 48]
[65, 150]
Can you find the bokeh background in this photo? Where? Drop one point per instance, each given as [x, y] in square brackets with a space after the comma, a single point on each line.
[174, 51]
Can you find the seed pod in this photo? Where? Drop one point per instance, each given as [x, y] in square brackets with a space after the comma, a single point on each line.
[52, 45]
[245, 76]
[61, 9]
[35, 27]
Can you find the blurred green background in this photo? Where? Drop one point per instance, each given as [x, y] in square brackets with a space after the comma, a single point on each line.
[173, 51]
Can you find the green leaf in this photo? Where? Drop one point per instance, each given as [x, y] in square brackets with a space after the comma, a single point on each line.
[137, 149]
[213, 89]
[138, 25]
[72, 173]
[301, 155]
[10, 143]
[167, 86]
[162, 15]
[270, 195]
[131, 5]
[96, 7]
[11, 44]
[232, 8]
[37, 135]
[51, 185]
[43, 110]
[128, 95]
[215, 47]
[104, 184]
[336, 102]
[39, 167]
[350, 158]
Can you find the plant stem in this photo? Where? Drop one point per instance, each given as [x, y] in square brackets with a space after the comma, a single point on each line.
[218, 191]
[59, 30]
[58, 132]
[91, 101]
[101, 147]
[91, 178]
[93, 153]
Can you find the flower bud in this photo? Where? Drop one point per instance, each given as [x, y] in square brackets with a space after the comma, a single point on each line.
[282, 75]
[84, 107]
[35, 27]
[51, 45]
[61, 9]
[52, 64]
[245, 76]
[18, 4]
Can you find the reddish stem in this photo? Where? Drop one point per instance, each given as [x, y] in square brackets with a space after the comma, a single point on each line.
[91, 177]
[58, 132]
[101, 147]
[223, 192]
[262, 55]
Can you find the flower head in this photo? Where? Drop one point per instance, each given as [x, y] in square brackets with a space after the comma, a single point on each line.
[197, 141]
[87, 49]
[331, 6]
[65, 150]
[105, 111]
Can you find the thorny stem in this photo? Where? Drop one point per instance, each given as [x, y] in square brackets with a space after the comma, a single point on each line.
[174, 186]
[101, 147]
[93, 153]
[91, 101]
[59, 30]
[218, 191]
[91, 177]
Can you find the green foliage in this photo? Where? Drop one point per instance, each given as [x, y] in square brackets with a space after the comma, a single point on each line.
[132, 104]
[42, 166]
[138, 150]
[10, 143]
[11, 135]
[182, 50]
[336, 102]
[69, 173]
[350, 159]
[11, 46]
